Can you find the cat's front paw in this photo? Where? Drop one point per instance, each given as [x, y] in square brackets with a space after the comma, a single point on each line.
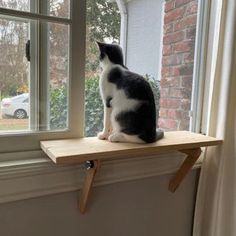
[103, 135]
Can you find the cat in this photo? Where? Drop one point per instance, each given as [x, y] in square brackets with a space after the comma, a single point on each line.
[129, 105]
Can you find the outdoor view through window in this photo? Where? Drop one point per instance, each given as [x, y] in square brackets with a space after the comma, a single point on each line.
[14, 71]
[158, 39]
[34, 59]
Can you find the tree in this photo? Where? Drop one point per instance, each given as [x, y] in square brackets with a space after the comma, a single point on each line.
[103, 23]
[13, 65]
[103, 20]
[58, 44]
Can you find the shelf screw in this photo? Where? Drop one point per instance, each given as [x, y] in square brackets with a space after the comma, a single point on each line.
[89, 165]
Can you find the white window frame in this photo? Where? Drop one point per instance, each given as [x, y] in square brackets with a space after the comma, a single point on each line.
[197, 121]
[30, 140]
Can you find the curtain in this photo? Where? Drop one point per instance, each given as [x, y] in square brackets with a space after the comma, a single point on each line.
[215, 212]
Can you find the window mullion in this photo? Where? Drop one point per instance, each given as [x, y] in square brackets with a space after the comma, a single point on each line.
[44, 98]
[9, 13]
[26, 140]
[196, 120]
[39, 86]
[34, 70]
[77, 67]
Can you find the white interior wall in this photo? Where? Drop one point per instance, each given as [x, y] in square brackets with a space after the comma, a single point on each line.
[136, 208]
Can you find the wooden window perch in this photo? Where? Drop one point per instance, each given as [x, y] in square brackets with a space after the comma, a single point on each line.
[93, 151]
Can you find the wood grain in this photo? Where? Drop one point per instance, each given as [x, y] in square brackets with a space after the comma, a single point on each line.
[70, 151]
[192, 156]
[87, 187]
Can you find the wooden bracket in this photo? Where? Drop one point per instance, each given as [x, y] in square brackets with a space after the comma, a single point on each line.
[88, 184]
[192, 156]
[93, 167]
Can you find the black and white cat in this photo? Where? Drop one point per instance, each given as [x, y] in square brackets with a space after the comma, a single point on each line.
[129, 106]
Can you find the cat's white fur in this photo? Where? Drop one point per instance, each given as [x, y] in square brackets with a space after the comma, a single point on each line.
[119, 103]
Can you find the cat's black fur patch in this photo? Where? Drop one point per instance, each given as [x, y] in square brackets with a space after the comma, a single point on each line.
[113, 52]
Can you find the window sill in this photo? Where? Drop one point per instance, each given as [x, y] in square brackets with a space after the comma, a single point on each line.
[34, 175]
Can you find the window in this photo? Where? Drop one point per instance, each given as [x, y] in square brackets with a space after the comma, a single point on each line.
[44, 59]
[58, 8]
[42, 71]
[36, 57]
[161, 40]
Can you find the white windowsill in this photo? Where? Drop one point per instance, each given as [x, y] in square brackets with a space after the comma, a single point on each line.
[37, 176]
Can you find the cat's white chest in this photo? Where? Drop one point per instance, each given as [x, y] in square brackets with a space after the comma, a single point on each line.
[120, 101]
[106, 88]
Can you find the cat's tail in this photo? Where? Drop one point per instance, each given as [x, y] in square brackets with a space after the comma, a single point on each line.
[159, 134]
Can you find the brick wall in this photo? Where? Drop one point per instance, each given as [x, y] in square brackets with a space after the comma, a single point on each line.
[177, 63]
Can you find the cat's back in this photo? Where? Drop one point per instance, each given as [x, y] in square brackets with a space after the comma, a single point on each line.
[134, 85]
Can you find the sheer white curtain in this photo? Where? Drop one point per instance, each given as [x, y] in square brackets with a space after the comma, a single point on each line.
[215, 213]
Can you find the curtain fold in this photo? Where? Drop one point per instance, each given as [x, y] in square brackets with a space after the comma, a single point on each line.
[215, 213]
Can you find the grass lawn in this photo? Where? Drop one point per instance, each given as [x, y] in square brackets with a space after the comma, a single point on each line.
[13, 124]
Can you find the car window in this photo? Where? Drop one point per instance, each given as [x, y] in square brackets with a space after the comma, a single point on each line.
[17, 98]
[20, 98]
[26, 100]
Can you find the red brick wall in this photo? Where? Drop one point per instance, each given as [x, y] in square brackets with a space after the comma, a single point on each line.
[177, 63]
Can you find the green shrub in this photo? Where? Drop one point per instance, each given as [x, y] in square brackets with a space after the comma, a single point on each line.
[155, 85]
[58, 108]
[93, 107]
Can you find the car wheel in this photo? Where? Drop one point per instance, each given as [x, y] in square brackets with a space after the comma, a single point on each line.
[20, 114]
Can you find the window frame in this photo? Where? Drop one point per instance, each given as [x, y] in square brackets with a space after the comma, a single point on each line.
[29, 140]
[200, 84]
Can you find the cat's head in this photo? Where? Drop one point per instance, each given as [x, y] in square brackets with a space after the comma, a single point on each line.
[110, 53]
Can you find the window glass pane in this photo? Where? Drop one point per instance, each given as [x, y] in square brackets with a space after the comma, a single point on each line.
[14, 76]
[58, 8]
[16, 72]
[103, 24]
[22, 5]
[58, 72]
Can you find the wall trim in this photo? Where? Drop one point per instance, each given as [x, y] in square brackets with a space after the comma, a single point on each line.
[40, 178]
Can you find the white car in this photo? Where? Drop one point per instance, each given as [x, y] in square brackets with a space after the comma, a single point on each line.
[17, 106]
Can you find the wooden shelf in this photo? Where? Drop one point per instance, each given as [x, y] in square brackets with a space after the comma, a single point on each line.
[74, 151]
[71, 151]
